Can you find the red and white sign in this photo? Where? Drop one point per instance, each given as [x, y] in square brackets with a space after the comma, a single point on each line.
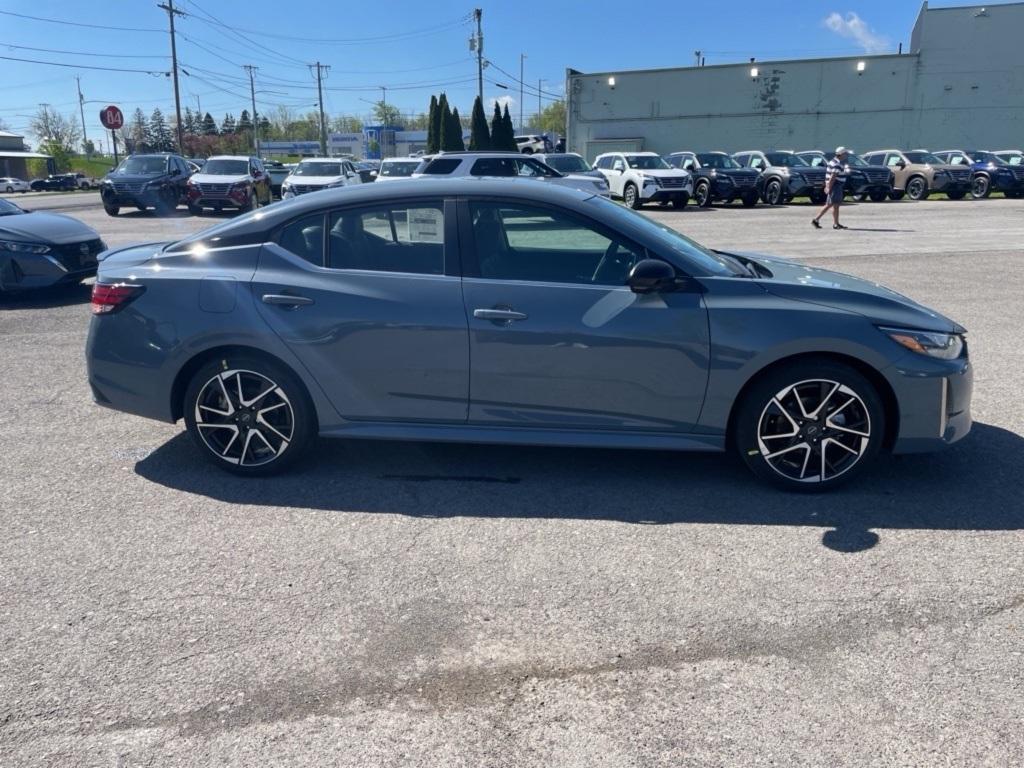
[111, 118]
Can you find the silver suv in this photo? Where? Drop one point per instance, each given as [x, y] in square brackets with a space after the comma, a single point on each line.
[505, 164]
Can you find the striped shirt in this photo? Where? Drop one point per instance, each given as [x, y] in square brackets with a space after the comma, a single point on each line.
[835, 172]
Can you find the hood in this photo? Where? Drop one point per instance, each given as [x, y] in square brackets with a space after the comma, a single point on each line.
[131, 255]
[661, 172]
[134, 177]
[732, 171]
[588, 176]
[809, 170]
[211, 178]
[801, 282]
[43, 227]
[313, 180]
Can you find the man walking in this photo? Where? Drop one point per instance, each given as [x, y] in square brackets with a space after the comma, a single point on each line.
[835, 181]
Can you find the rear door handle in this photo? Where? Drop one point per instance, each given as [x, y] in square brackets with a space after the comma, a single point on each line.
[284, 300]
[498, 315]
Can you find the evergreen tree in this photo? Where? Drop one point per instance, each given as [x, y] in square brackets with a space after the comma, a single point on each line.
[455, 132]
[160, 137]
[444, 120]
[228, 125]
[139, 132]
[508, 133]
[496, 128]
[244, 122]
[479, 137]
[188, 122]
[265, 127]
[208, 125]
[433, 127]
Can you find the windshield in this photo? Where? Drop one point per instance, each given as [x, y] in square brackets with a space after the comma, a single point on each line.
[988, 157]
[786, 160]
[8, 209]
[855, 161]
[318, 169]
[404, 168]
[226, 167]
[715, 160]
[143, 165]
[617, 215]
[923, 157]
[647, 162]
[568, 163]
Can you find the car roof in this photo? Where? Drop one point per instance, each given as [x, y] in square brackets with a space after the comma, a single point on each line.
[228, 157]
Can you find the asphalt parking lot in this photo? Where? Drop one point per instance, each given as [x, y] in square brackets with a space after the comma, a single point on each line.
[402, 604]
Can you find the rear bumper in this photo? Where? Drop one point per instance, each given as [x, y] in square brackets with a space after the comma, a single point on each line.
[934, 401]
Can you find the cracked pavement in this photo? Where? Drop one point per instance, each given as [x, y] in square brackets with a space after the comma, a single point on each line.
[402, 604]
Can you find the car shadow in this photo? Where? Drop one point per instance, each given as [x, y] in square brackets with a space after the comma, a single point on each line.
[47, 298]
[973, 486]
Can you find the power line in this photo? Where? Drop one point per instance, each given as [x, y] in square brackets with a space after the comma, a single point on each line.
[211, 19]
[85, 66]
[79, 23]
[84, 53]
[520, 82]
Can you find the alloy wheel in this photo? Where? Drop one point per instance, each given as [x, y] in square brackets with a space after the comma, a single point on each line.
[701, 194]
[814, 431]
[916, 188]
[244, 418]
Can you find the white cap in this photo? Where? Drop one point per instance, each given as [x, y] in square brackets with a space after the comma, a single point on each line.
[841, 150]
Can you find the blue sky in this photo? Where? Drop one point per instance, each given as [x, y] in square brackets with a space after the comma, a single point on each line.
[424, 48]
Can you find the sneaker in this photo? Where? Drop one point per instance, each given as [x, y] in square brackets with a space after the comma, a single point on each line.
[839, 226]
[815, 224]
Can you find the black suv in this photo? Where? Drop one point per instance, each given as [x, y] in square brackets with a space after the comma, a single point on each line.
[784, 176]
[716, 176]
[146, 181]
[862, 180]
[58, 182]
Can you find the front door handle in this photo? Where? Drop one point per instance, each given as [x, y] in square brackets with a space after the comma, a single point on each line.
[498, 315]
[284, 300]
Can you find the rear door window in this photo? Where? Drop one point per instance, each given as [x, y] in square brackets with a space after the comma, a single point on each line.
[305, 238]
[388, 238]
[442, 166]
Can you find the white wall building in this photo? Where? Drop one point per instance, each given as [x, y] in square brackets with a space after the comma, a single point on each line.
[961, 84]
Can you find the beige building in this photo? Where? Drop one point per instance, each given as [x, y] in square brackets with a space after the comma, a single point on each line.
[960, 84]
[13, 156]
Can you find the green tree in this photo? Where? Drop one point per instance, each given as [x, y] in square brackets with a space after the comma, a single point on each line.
[479, 136]
[139, 139]
[552, 118]
[209, 125]
[434, 128]
[508, 133]
[55, 130]
[455, 132]
[445, 140]
[244, 122]
[496, 127]
[386, 114]
[228, 124]
[161, 138]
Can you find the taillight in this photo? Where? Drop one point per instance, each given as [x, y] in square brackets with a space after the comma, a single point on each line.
[108, 298]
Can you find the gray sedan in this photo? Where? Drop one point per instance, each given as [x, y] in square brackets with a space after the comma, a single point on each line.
[505, 311]
[40, 249]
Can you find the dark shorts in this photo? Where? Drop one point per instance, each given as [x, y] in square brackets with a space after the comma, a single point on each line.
[835, 195]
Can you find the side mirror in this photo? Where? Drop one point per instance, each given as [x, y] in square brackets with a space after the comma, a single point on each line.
[901, 164]
[652, 276]
[175, 172]
[373, 174]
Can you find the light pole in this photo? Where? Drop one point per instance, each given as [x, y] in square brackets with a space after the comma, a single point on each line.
[522, 58]
[384, 128]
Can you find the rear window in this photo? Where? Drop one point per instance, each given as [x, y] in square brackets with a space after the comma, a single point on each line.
[441, 166]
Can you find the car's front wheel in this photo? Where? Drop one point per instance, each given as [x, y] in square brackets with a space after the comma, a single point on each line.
[877, 197]
[9, 189]
[917, 188]
[702, 194]
[111, 209]
[773, 194]
[810, 425]
[630, 196]
[249, 415]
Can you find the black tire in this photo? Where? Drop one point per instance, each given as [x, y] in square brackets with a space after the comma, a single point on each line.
[818, 198]
[981, 187]
[1012, 195]
[195, 210]
[167, 202]
[860, 197]
[877, 197]
[897, 194]
[631, 196]
[111, 209]
[285, 431]
[9, 190]
[960, 195]
[680, 201]
[749, 199]
[702, 194]
[917, 188]
[773, 194]
[847, 436]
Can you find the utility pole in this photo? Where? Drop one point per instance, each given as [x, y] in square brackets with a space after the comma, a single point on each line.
[81, 109]
[384, 129]
[522, 57]
[321, 69]
[478, 13]
[199, 106]
[171, 13]
[540, 82]
[255, 123]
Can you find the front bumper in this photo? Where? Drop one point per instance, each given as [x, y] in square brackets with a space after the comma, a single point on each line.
[145, 197]
[22, 272]
[656, 194]
[804, 187]
[947, 184]
[934, 402]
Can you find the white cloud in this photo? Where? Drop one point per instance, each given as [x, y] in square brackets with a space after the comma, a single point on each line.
[502, 101]
[853, 27]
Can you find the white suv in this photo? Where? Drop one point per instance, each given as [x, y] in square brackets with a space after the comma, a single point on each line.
[644, 177]
[505, 164]
[530, 144]
[316, 173]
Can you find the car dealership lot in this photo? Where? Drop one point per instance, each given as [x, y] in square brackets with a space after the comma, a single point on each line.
[421, 604]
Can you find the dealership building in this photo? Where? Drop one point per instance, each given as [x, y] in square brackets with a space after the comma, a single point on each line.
[959, 85]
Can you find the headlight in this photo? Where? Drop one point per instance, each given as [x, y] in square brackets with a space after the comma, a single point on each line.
[945, 346]
[16, 247]
[650, 180]
[798, 178]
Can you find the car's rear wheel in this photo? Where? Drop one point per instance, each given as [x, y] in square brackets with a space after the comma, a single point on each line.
[981, 187]
[917, 188]
[749, 199]
[9, 189]
[818, 198]
[249, 415]
[702, 194]
[896, 194]
[680, 201]
[773, 193]
[958, 195]
[810, 426]
[877, 197]
[195, 210]
[630, 196]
